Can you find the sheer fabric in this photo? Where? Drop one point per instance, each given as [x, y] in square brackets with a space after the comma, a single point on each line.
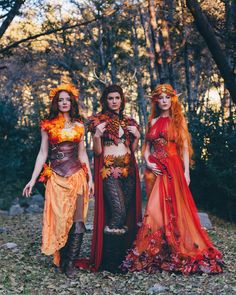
[171, 237]
[60, 206]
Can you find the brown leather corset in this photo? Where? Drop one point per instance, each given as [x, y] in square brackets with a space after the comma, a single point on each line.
[64, 158]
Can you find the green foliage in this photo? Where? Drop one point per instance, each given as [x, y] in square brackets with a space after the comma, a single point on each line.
[213, 177]
[18, 149]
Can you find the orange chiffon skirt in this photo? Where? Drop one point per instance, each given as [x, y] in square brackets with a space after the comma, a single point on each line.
[171, 237]
[59, 208]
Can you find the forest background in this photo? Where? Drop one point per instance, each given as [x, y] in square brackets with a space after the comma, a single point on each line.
[137, 44]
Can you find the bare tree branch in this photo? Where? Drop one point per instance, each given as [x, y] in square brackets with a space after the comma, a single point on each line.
[10, 16]
[52, 31]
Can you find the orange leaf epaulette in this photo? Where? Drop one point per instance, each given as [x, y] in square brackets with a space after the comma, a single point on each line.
[57, 133]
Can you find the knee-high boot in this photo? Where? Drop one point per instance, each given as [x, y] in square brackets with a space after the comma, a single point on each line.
[113, 251]
[71, 250]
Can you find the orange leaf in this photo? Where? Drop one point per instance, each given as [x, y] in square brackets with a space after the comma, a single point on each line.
[84, 167]
[105, 172]
[108, 160]
[126, 159]
[125, 172]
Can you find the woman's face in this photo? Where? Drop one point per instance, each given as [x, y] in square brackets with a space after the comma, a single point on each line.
[114, 101]
[64, 102]
[164, 102]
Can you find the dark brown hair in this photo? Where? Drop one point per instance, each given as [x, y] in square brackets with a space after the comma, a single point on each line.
[74, 110]
[110, 89]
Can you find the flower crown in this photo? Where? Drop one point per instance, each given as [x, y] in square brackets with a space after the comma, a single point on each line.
[64, 87]
[164, 88]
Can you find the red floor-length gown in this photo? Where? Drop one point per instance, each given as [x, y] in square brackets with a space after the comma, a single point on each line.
[171, 237]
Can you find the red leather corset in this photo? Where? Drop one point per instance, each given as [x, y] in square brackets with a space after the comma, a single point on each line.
[64, 158]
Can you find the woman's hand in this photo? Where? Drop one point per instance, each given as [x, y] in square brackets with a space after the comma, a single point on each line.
[28, 188]
[153, 167]
[134, 131]
[100, 129]
[91, 188]
[187, 177]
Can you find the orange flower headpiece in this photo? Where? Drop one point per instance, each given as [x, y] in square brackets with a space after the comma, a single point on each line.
[64, 87]
[164, 88]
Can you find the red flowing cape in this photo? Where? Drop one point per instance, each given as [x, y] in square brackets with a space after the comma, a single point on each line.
[134, 216]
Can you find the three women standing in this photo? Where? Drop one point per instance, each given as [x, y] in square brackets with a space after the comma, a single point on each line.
[171, 237]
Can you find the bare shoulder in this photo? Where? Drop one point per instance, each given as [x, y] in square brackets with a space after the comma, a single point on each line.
[79, 124]
[154, 121]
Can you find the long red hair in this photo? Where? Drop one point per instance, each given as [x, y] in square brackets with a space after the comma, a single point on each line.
[178, 127]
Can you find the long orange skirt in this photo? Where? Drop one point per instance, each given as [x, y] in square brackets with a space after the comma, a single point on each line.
[171, 237]
[59, 208]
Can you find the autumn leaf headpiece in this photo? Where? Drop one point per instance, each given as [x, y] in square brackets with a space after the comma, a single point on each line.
[64, 87]
[164, 88]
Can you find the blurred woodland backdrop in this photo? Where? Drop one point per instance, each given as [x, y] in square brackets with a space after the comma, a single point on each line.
[137, 44]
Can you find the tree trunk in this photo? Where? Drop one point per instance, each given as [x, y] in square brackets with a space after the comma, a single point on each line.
[155, 37]
[167, 56]
[140, 98]
[197, 74]
[218, 54]
[188, 78]
[149, 47]
[111, 44]
[10, 16]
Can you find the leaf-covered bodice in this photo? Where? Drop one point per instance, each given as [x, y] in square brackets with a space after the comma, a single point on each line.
[57, 132]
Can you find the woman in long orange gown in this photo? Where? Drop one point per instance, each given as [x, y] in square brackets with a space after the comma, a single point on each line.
[68, 179]
[171, 237]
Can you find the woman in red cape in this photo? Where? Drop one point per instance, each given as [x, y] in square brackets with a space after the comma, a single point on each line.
[117, 185]
[171, 237]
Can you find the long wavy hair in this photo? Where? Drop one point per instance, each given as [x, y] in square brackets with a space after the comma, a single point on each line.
[110, 89]
[74, 110]
[178, 128]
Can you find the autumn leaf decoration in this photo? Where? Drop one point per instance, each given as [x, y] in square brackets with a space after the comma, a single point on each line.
[116, 172]
[57, 133]
[47, 173]
[108, 160]
[126, 159]
[84, 167]
[116, 166]
[105, 172]
[125, 171]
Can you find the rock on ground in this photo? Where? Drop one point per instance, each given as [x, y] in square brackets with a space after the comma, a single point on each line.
[205, 220]
[16, 210]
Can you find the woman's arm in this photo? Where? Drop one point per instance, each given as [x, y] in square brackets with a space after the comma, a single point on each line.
[97, 141]
[82, 154]
[147, 152]
[186, 161]
[97, 145]
[134, 130]
[151, 166]
[40, 161]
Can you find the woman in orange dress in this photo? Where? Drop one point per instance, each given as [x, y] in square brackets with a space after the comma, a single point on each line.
[68, 179]
[171, 237]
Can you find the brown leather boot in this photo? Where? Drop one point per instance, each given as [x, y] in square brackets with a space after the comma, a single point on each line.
[71, 251]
